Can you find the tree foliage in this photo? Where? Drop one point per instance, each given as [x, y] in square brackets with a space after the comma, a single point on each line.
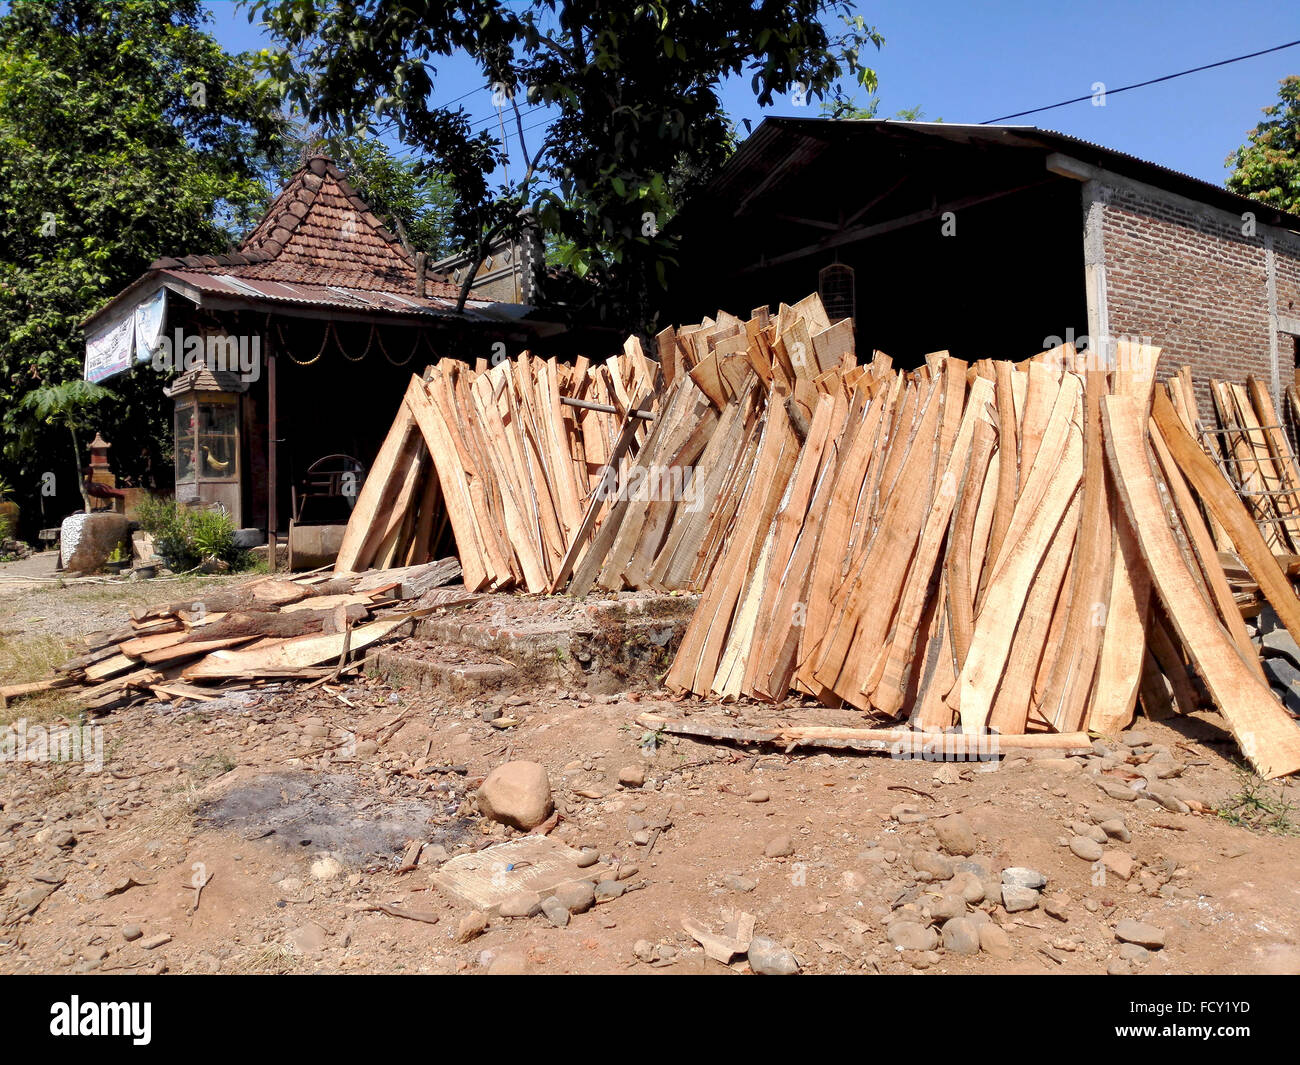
[633, 89]
[126, 133]
[1268, 167]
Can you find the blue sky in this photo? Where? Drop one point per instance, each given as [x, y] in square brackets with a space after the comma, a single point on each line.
[969, 63]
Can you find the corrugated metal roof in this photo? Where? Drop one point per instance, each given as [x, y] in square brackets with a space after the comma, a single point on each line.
[334, 296]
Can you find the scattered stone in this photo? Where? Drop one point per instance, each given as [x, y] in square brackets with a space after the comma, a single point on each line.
[631, 776]
[1116, 829]
[1119, 863]
[956, 836]
[1016, 898]
[768, 958]
[779, 847]
[155, 941]
[472, 925]
[1087, 849]
[131, 932]
[1118, 967]
[933, 865]
[555, 911]
[1135, 739]
[644, 950]
[1167, 799]
[1145, 935]
[906, 813]
[948, 906]
[1134, 952]
[1057, 906]
[326, 868]
[994, 940]
[734, 882]
[577, 896]
[912, 935]
[961, 936]
[521, 904]
[1279, 642]
[589, 857]
[1081, 828]
[1021, 876]
[608, 889]
[517, 794]
[968, 886]
[757, 796]
[1116, 790]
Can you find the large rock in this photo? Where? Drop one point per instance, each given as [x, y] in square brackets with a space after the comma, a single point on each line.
[955, 835]
[88, 539]
[517, 794]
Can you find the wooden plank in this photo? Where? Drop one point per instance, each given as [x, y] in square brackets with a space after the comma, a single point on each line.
[375, 491]
[455, 491]
[1007, 591]
[1224, 503]
[1266, 734]
[288, 656]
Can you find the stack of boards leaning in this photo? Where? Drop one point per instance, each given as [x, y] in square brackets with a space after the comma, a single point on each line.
[1029, 547]
[507, 456]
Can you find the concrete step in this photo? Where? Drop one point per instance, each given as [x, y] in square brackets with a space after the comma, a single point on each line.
[605, 645]
[433, 670]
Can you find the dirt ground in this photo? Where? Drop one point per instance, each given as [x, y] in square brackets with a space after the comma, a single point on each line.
[293, 809]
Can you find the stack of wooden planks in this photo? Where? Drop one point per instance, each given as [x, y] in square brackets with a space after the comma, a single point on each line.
[1017, 547]
[1031, 548]
[508, 457]
[266, 629]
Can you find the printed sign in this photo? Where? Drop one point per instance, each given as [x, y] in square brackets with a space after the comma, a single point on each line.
[110, 352]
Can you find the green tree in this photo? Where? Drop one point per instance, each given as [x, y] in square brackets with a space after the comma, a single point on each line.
[633, 90]
[70, 405]
[1268, 167]
[126, 133]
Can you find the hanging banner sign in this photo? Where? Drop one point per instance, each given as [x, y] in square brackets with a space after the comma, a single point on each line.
[111, 351]
[150, 317]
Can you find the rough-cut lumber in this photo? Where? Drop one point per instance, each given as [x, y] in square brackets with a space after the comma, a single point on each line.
[1262, 728]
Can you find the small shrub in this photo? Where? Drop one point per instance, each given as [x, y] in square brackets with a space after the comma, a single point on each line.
[187, 537]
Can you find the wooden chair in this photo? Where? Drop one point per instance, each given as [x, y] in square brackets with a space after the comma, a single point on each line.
[328, 490]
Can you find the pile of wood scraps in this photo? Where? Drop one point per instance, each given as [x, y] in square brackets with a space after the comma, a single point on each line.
[509, 457]
[269, 628]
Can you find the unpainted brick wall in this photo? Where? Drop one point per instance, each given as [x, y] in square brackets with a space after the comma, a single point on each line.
[1192, 281]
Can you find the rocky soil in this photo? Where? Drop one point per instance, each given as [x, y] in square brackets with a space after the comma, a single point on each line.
[278, 829]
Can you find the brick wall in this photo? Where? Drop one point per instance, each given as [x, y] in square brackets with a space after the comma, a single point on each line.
[1187, 277]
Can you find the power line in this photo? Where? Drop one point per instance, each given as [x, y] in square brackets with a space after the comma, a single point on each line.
[1141, 84]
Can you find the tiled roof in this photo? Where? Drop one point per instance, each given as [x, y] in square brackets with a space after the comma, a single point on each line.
[319, 232]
